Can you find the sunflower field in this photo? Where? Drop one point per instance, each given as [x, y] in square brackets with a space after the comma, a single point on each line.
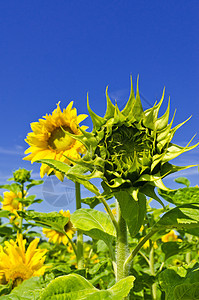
[127, 250]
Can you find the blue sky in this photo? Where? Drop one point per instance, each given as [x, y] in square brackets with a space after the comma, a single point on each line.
[59, 50]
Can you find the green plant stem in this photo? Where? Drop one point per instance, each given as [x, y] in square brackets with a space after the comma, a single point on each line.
[130, 258]
[121, 246]
[72, 244]
[21, 218]
[109, 211]
[152, 270]
[80, 255]
[143, 255]
[188, 256]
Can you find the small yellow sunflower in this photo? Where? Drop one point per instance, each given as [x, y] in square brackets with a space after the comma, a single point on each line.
[170, 237]
[49, 139]
[18, 264]
[147, 244]
[11, 201]
[58, 237]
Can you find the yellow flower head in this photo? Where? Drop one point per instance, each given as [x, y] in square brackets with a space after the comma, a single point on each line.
[170, 237]
[49, 138]
[19, 264]
[58, 237]
[11, 201]
[147, 244]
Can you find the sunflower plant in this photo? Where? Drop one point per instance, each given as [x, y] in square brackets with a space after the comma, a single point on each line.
[16, 198]
[130, 151]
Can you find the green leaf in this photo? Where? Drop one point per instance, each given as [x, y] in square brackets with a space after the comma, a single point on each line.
[181, 196]
[187, 291]
[14, 187]
[33, 183]
[148, 190]
[86, 183]
[55, 164]
[52, 220]
[183, 180]
[4, 213]
[101, 246]
[180, 288]
[181, 217]
[173, 248]
[168, 280]
[95, 224]
[132, 211]
[91, 201]
[74, 286]
[29, 289]
[5, 288]
[5, 231]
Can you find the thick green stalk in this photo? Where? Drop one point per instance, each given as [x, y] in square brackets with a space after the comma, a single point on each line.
[152, 270]
[130, 258]
[121, 246]
[80, 255]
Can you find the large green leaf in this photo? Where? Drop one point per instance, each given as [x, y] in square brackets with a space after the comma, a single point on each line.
[187, 291]
[181, 196]
[181, 217]
[52, 220]
[28, 290]
[132, 211]
[74, 286]
[168, 280]
[95, 224]
[180, 288]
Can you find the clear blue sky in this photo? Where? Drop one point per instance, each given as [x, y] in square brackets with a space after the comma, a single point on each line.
[54, 51]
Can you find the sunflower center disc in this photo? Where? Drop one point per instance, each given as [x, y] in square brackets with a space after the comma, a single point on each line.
[59, 140]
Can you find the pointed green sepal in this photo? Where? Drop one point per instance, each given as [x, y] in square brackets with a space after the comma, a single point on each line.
[110, 110]
[97, 120]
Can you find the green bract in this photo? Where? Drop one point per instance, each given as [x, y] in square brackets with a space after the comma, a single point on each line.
[130, 149]
[22, 175]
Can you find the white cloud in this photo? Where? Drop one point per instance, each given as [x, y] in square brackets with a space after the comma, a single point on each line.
[16, 150]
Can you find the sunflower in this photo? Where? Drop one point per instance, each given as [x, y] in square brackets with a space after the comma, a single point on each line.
[58, 237]
[18, 264]
[11, 202]
[147, 244]
[130, 150]
[50, 138]
[170, 237]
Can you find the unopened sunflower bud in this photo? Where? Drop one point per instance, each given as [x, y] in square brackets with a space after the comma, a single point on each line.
[130, 149]
[22, 175]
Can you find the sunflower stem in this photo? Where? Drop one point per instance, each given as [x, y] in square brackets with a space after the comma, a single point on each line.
[121, 246]
[21, 218]
[152, 270]
[109, 211]
[130, 258]
[80, 255]
[72, 244]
